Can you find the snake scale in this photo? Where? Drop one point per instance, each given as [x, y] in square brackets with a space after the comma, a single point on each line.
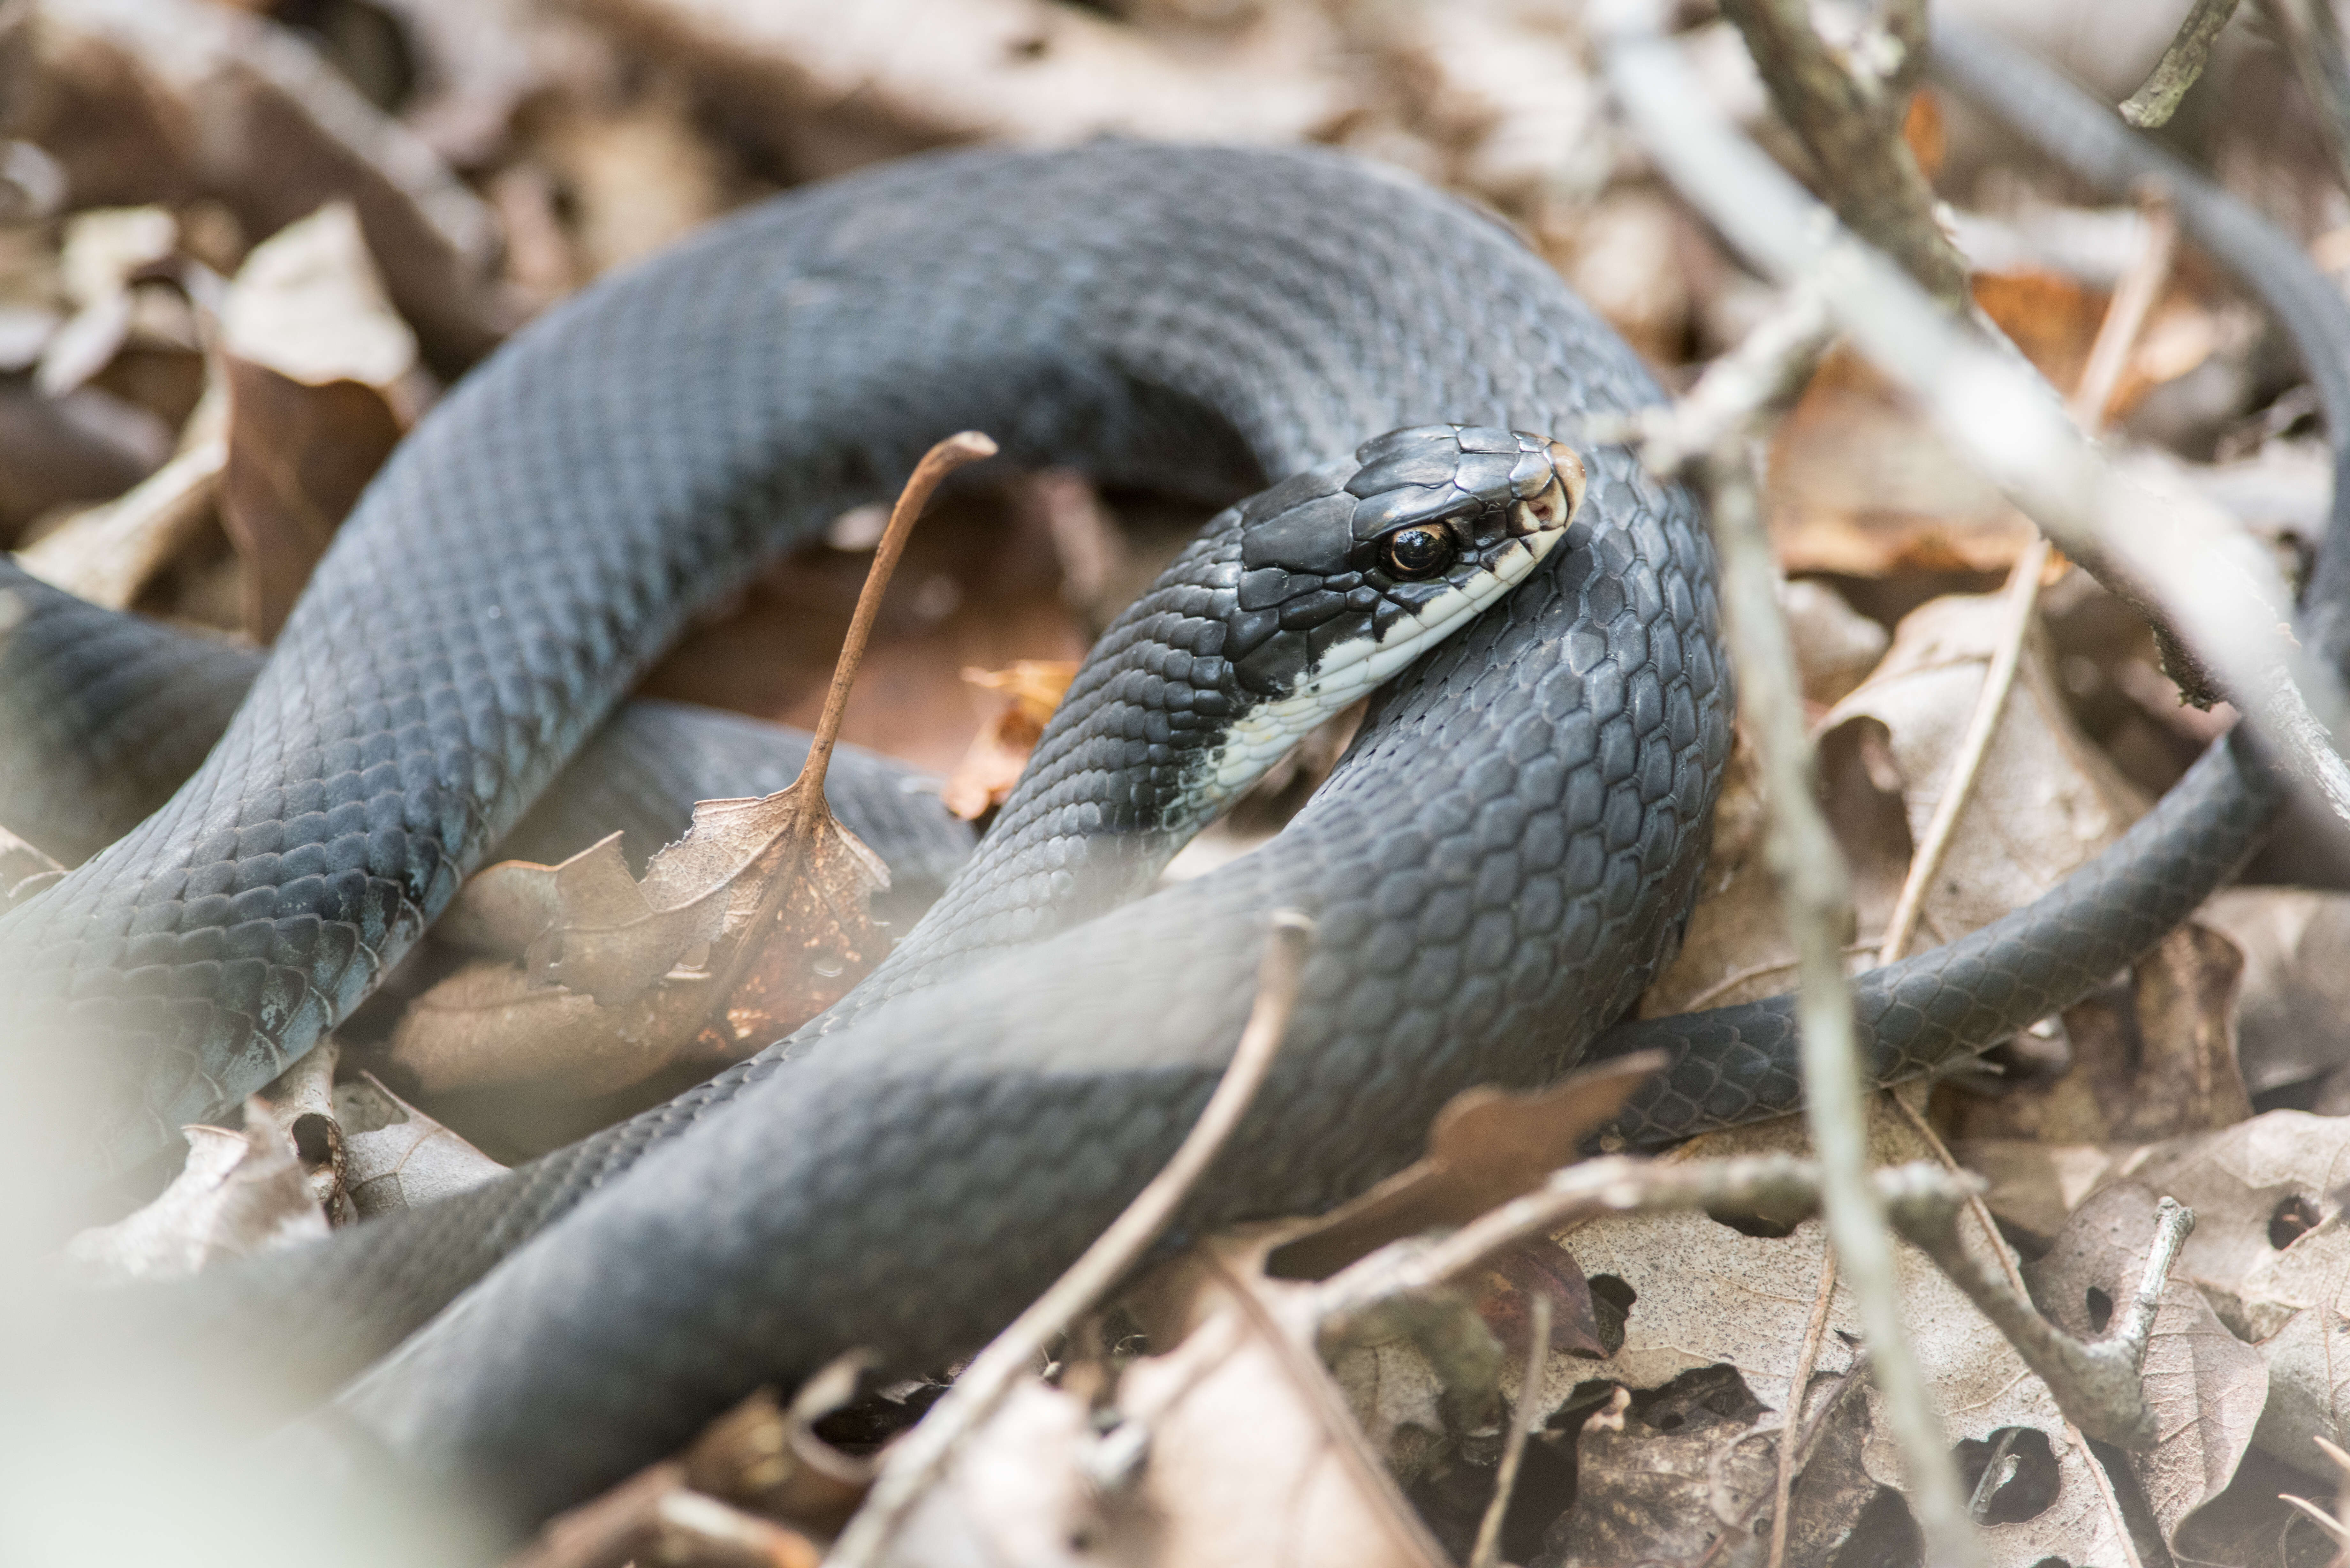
[1497, 865]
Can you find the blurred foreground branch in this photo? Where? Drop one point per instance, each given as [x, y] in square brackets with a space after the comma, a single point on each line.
[2173, 557]
[1848, 116]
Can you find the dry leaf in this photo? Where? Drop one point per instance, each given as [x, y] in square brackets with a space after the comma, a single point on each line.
[396, 1158]
[239, 1194]
[2205, 1386]
[319, 371]
[1703, 1293]
[109, 553]
[999, 752]
[1835, 645]
[2270, 1253]
[1686, 1464]
[1485, 1148]
[150, 100]
[23, 870]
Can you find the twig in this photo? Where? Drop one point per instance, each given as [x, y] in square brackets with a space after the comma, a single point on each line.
[2095, 1468]
[1815, 898]
[1522, 1421]
[2313, 41]
[2174, 558]
[2097, 1384]
[2156, 99]
[108, 554]
[1769, 365]
[1848, 118]
[917, 1459]
[2125, 317]
[966, 447]
[1791, 1435]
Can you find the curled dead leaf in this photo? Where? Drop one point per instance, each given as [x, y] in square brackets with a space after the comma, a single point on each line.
[240, 1193]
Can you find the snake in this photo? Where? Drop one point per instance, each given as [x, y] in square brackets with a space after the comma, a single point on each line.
[1501, 859]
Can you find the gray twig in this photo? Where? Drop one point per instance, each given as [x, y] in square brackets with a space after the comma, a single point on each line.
[2174, 557]
[2313, 41]
[1815, 899]
[1846, 107]
[2156, 98]
[2096, 1384]
[918, 1458]
[1769, 365]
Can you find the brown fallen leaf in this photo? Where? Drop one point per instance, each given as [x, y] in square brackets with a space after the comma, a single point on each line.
[396, 1158]
[1485, 1148]
[169, 99]
[2205, 1388]
[2272, 1255]
[1702, 1293]
[109, 554]
[320, 374]
[753, 922]
[2296, 986]
[1684, 1465]
[983, 779]
[240, 1193]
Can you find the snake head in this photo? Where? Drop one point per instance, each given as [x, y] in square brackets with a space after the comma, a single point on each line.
[1349, 572]
[1372, 565]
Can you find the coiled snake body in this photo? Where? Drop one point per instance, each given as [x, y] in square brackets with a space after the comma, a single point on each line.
[1495, 868]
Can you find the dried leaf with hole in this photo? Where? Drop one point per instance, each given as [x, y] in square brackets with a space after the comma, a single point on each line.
[396, 1158]
[240, 1193]
[999, 752]
[321, 378]
[2272, 1255]
[1703, 1293]
[2205, 1386]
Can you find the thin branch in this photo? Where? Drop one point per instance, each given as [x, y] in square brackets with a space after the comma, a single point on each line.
[917, 1459]
[2095, 1468]
[1848, 117]
[1769, 365]
[1816, 900]
[2173, 558]
[2156, 99]
[2125, 317]
[1791, 1435]
[2097, 1385]
[2313, 41]
[1523, 1421]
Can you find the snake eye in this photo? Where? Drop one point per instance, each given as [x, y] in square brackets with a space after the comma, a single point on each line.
[1420, 551]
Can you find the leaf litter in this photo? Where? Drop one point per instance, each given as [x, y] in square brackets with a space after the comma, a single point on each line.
[208, 342]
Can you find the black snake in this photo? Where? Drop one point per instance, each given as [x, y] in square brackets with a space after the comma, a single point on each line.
[1496, 867]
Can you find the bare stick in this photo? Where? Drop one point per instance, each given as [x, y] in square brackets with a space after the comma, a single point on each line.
[968, 446]
[2126, 316]
[1815, 898]
[1791, 1435]
[2313, 41]
[1849, 119]
[917, 1459]
[1767, 368]
[2174, 558]
[1981, 1210]
[2097, 1385]
[2156, 99]
[1523, 1421]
